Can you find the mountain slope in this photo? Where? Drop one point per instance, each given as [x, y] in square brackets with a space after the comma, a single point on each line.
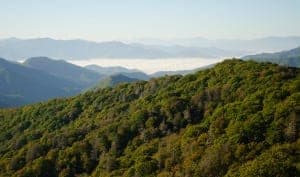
[180, 72]
[110, 70]
[65, 70]
[136, 75]
[114, 80]
[239, 118]
[132, 73]
[289, 57]
[22, 85]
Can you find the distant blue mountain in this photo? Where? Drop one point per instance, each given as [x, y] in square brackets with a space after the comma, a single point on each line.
[288, 58]
[23, 85]
[266, 44]
[18, 49]
[41, 78]
[65, 70]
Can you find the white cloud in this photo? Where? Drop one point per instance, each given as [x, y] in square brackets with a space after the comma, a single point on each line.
[150, 66]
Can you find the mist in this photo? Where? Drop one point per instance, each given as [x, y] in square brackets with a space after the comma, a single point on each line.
[151, 66]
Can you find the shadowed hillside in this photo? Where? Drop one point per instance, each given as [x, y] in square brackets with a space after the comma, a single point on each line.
[65, 70]
[22, 85]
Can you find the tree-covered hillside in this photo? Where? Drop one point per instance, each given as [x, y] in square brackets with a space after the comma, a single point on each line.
[115, 70]
[239, 118]
[113, 80]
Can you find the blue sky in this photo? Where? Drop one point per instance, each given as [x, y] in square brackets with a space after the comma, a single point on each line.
[131, 19]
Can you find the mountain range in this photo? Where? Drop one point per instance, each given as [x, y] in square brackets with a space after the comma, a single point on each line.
[22, 85]
[288, 57]
[65, 70]
[238, 118]
[20, 49]
[266, 44]
[41, 78]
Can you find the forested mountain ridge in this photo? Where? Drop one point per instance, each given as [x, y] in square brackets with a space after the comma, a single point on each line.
[239, 118]
[113, 80]
[109, 71]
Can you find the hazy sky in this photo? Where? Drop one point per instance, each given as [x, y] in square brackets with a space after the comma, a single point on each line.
[131, 19]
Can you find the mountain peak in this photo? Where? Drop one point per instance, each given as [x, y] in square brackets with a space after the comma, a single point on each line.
[61, 68]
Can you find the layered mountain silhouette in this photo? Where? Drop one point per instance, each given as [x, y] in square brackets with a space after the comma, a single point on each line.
[22, 85]
[266, 44]
[65, 70]
[41, 78]
[19, 49]
[288, 57]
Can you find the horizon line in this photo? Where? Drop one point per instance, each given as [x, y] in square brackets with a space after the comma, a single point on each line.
[145, 38]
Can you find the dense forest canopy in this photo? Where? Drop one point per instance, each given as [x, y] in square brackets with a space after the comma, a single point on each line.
[239, 118]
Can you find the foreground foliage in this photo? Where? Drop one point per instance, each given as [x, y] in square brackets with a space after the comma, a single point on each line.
[236, 119]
